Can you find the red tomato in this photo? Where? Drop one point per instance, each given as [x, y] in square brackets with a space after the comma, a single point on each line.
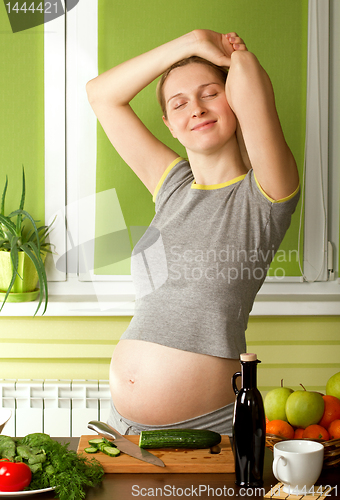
[14, 476]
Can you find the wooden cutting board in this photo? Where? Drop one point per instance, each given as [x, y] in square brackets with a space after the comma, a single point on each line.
[175, 460]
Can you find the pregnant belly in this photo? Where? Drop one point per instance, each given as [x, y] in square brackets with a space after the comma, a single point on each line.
[154, 384]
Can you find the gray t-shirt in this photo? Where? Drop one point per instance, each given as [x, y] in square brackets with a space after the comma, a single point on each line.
[200, 264]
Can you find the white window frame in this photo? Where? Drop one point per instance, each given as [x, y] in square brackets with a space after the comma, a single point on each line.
[55, 140]
[294, 296]
[70, 178]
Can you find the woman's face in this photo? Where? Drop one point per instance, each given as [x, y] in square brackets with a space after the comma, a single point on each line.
[198, 113]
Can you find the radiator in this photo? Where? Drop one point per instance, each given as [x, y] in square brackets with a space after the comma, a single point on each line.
[60, 408]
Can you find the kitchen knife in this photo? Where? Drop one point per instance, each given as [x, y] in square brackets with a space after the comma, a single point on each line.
[124, 444]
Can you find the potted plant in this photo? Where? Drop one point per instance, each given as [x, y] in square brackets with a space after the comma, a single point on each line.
[22, 254]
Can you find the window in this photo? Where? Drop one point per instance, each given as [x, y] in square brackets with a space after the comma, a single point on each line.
[77, 285]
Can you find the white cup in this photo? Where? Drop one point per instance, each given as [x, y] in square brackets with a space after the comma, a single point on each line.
[298, 464]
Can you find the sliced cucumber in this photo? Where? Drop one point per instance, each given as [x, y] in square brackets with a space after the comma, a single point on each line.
[112, 451]
[91, 449]
[103, 445]
[96, 442]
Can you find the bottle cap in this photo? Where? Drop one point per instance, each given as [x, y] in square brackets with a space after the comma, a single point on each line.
[248, 356]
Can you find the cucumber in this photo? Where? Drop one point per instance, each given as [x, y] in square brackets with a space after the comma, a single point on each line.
[95, 442]
[100, 443]
[179, 438]
[103, 445]
[112, 451]
[91, 449]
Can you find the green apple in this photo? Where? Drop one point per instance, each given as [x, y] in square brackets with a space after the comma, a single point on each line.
[304, 408]
[333, 386]
[275, 403]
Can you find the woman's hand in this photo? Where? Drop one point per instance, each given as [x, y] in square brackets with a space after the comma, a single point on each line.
[217, 47]
[236, 42]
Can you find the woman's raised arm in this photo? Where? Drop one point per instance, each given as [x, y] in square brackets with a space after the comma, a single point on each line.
[111, 92]
[250, 94]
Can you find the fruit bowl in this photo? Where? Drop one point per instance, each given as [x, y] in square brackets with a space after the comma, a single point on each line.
[332, 448]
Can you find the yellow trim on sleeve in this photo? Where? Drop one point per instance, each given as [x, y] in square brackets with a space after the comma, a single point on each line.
[217, 186]
[271, 199]
[165, 173]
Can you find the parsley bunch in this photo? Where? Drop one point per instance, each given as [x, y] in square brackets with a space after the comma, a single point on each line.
[63, 469]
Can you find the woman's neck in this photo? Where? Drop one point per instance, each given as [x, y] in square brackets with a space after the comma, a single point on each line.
[219, 166]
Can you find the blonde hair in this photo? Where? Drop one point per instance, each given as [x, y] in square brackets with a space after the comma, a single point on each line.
[222, 71]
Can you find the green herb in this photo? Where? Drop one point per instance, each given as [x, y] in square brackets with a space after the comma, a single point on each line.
[53, 465]
[7, 447]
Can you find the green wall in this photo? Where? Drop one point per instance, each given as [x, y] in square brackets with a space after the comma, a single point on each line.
[22, 115]
[298, 349]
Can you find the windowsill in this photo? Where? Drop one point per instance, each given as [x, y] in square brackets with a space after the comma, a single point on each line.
[281, 299]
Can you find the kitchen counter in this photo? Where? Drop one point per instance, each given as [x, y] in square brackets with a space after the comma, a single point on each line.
[203, 486]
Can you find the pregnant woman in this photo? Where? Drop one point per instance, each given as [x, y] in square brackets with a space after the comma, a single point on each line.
[221, 214]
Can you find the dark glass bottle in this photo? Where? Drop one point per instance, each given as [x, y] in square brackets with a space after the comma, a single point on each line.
[249, 425]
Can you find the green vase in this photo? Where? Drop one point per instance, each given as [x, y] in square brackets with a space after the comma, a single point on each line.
[24, 288]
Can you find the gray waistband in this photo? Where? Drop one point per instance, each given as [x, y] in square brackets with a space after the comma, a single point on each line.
[219, 420]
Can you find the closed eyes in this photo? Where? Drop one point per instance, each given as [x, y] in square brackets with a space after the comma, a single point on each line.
[207, 96]
[177, 106]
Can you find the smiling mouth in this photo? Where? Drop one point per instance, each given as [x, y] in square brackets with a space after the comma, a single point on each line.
[204, 125]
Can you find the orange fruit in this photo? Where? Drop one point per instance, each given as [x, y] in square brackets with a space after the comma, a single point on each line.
[331, 411]
[280, 428]
[334, 429]
[316, 431]
[298, 433]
